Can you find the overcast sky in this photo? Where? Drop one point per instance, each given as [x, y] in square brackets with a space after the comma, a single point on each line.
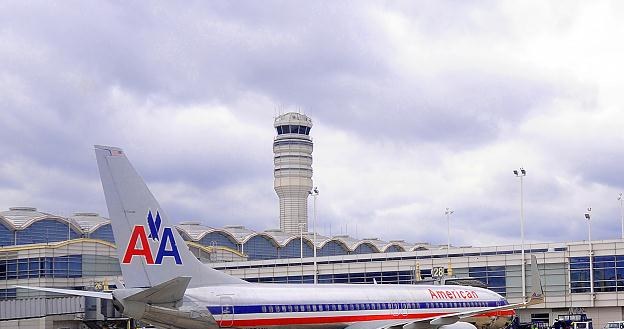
[417, 106]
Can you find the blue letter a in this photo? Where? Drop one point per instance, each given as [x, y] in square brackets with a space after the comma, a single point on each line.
[167, 236]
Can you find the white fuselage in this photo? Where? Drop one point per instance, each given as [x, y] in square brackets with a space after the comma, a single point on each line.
[340, 305]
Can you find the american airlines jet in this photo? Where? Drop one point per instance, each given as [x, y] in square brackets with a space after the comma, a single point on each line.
[167, 286]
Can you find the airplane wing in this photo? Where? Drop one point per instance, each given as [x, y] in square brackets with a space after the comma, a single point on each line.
[537, 297]
[96, 294]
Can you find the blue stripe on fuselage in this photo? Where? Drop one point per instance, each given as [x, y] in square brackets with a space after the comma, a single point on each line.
[347, 307]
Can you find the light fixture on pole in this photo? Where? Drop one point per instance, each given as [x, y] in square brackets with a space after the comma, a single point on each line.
[301, 246]
[621, 199]
[448, 213]
[591, 254]
[520, 174]
[314, 193]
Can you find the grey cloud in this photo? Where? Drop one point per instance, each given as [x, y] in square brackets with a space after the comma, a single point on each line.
[86, 73]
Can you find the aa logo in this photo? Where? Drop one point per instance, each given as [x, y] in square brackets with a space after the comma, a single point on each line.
[139, 245]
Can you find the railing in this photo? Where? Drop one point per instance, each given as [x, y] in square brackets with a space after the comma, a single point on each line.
[40, 306]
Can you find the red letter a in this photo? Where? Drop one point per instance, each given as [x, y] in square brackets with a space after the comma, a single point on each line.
[138, 233]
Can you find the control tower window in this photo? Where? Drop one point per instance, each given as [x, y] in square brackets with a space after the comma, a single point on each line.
[302, 130]
[307, 130]
[279, 130]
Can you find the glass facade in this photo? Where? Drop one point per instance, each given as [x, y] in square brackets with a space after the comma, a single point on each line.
[41, 267]
[218, 239]
[293, 249]
[8, 293]
[365, 248]
[260, 247]
[103, 233]
[492, 276]
[6, 236]
[383, 277]
[44, 231]
[333, 248]
[293, 129]
[608, 274]
[394, 248]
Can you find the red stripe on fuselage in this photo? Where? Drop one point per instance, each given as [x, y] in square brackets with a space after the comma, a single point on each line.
[341, 319]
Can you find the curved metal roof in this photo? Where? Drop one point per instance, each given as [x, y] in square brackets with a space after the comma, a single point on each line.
[89, 221]
[20, 218]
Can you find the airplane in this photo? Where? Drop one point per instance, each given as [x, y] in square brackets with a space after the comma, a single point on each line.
[167, 286]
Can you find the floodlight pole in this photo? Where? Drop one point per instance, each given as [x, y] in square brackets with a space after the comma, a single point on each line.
[314, 194]
[521, 173]
[448, 213]
[591, 255]
[621, 199]
[301, 244]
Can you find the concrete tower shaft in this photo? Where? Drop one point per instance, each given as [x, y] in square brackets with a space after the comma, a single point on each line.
[292, 149]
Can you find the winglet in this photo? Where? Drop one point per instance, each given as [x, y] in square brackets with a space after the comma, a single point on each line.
[537, 291]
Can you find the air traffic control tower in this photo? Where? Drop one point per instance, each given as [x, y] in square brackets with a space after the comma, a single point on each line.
[292, 149]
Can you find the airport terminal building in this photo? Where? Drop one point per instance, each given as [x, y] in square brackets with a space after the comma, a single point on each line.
[79, 252]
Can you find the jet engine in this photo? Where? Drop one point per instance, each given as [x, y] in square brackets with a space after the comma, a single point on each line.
[458, 325]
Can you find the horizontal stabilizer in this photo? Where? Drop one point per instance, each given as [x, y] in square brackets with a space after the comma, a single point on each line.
[84, 293]
[167, 292]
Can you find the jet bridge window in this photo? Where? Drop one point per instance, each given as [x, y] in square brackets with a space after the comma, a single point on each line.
[264, 309]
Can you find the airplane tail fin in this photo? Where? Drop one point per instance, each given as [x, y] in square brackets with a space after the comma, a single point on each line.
[150, 249]
[537, 291]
